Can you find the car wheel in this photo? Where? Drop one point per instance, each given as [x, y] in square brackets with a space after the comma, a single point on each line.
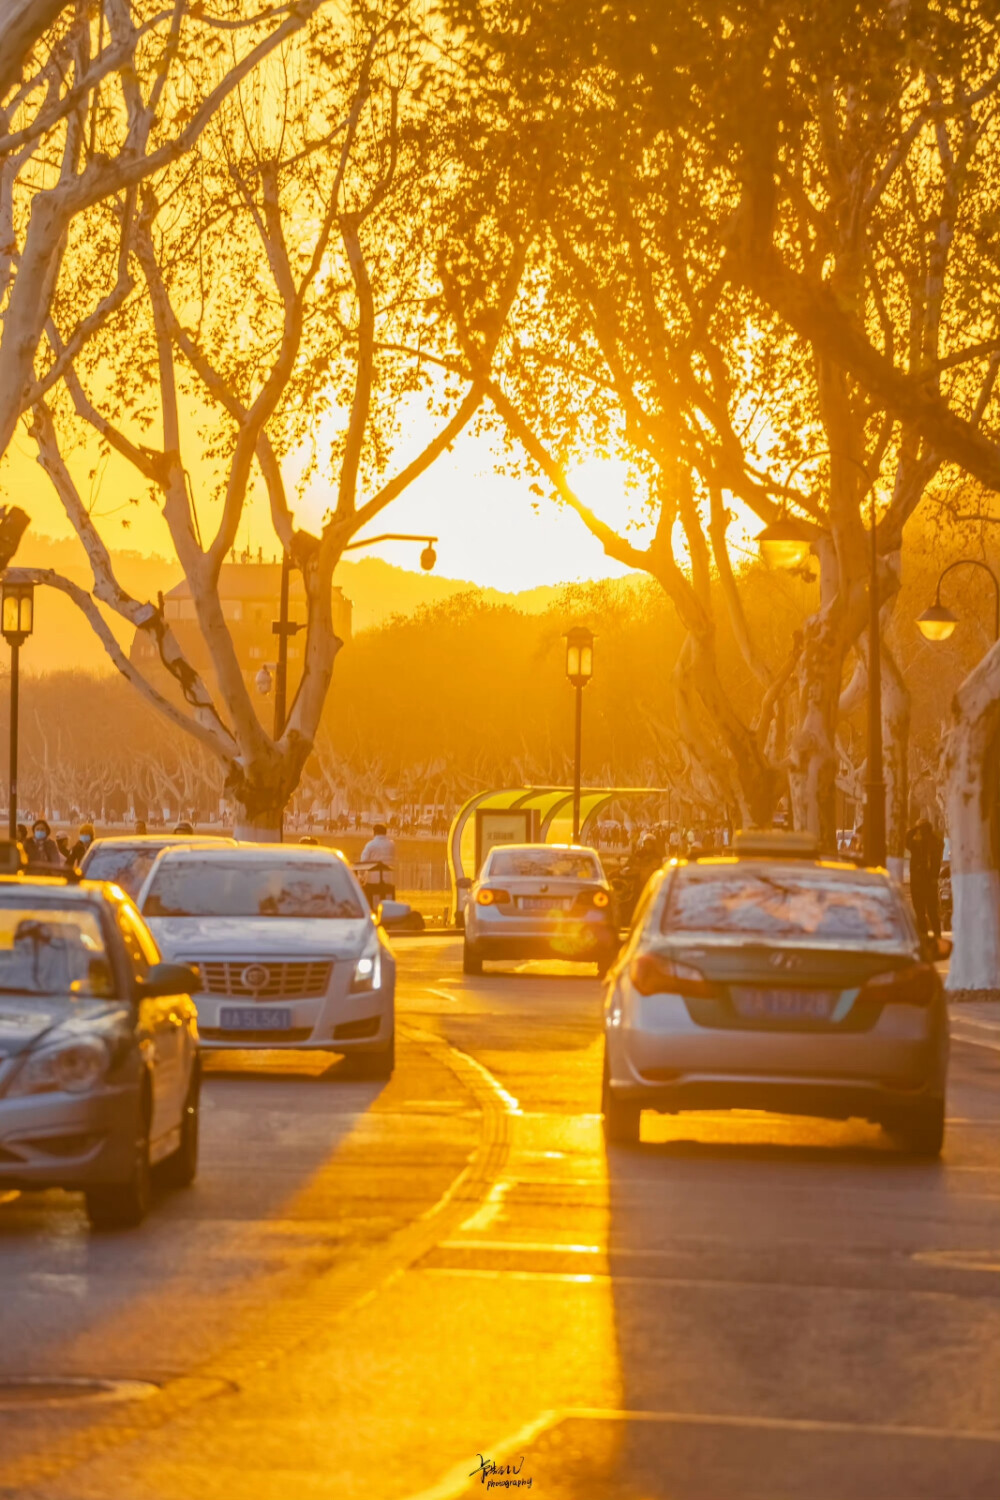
[122, 1205]
[374, 1064]
[471, 962]
[922, 1130]
[181, 1168]
[621, 1118]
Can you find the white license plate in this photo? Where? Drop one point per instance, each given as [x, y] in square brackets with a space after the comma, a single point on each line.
[542, 903]
[254, 1018]
[784, 1005]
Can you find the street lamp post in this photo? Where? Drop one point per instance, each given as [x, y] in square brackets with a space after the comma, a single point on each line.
[282, 627]
[579, 670]
[875, 850]
[937, 623]
[17, 619]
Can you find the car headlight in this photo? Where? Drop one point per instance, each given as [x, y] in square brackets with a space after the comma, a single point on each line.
[367, 973]
[74, 1067]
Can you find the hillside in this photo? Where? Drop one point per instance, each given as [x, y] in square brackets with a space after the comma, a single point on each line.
[378, 590]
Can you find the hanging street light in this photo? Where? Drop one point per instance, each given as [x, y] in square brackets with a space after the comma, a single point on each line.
[17, 620]
[579, 670]
[938, 622]
[782, 544]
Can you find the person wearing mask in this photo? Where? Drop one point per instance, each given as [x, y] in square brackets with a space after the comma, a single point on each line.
[84, 840]
[926, 848]
[41, 848]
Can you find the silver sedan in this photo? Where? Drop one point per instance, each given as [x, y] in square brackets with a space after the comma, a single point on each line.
[781, 983]
[541, 901]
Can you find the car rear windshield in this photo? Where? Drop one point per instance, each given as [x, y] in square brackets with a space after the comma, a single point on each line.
[784, 902]
[127, 867]
[252, 888]
[49, 949]
[561, 864]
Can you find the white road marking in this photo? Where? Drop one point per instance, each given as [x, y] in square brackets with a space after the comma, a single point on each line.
[457, 1481]
[519, 1245]
[602, 1278]
[974, 1041]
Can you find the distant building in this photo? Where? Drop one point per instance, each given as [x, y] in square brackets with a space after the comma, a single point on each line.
[250, 595]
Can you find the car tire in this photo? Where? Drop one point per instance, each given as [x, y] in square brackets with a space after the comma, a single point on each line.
[181, 1167]
[621, 1118]
[922, 1130]
[374, 1065]
[471, 962]
[123, 1205]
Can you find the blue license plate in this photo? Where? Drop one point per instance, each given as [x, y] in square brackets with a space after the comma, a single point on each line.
[254, 1018]
[785, 1005]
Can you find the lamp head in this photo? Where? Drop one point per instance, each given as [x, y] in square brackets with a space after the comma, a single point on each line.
[579, 655]
[17, 610]
[937, 623]
[782, 544]
[428, 558]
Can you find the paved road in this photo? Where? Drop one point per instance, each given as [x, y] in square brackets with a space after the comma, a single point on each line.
[369, 1289]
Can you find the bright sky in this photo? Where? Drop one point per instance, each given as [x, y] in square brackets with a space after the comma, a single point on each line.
[491, 529]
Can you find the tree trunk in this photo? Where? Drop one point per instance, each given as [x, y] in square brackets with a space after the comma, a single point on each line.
[971, 763]
[262, 826]
[812, 775]
[895, 760]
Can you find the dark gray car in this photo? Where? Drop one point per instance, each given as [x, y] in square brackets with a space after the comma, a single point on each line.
[99, 1072]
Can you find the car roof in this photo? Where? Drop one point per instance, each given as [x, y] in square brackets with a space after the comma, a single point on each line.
[66, 887]
[789, 866]
[249, 853]
[548, 848]
[144, 840]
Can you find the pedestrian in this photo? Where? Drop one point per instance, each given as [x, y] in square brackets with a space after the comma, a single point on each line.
[22, 835]
[84, 840]
[140, 827]
[380, 851]
[184, 827]
[41, 847]
[926, 848]
[307, 838]
[62, 844]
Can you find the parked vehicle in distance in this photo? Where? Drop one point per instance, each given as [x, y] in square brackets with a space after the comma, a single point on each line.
[287, 952]
[99, 1073]
[540, 901]
[773, 979]
[128, 860]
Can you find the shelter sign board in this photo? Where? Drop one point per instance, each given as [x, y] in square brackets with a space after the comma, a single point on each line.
[504, 826]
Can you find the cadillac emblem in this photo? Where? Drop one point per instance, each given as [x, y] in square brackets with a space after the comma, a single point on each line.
[254, 977]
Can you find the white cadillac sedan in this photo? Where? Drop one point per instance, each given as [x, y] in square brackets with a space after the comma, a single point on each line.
[287, 951]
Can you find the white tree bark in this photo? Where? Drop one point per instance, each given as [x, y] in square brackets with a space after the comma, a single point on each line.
[971, 764]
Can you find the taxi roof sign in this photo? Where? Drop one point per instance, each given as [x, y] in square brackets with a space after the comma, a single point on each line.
[775, 843]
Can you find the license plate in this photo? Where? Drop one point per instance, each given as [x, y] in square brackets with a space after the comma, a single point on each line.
[541, 903]
[784, 1005]
[254, 1018]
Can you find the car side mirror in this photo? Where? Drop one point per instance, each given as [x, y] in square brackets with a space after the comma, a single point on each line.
[169, 979]
[392, 913]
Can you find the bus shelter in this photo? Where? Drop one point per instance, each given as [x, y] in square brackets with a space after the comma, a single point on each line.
[525, 815]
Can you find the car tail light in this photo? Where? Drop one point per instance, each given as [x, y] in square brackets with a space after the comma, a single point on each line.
[653, 974]
[601, 898]
[487, 896]
[917, 984]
